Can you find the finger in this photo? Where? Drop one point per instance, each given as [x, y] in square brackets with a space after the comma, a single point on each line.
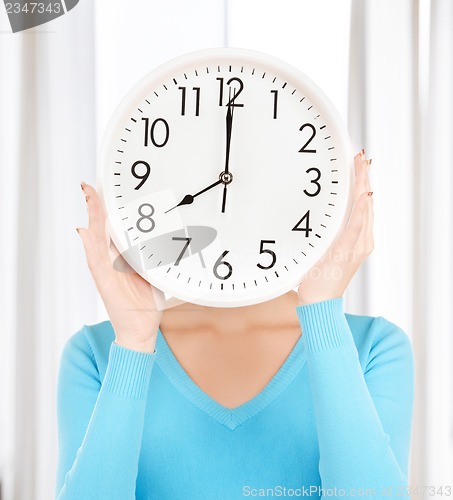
[96, 219]
[356, 222]
[363, 247]
[95, 259]
[96, 216]
[368, 188]
[93, 238]
[100, 267]
[368, 233]
[357, 158]
[369, 245]
[360, 185]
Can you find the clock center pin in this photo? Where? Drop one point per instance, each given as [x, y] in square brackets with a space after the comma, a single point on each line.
[226, 177]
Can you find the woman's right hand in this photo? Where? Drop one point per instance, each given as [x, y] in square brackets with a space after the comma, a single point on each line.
[128, 298]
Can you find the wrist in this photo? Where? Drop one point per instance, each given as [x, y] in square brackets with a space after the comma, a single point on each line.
[138, 342]
[146, 346]
[324, 325]
[307, 300]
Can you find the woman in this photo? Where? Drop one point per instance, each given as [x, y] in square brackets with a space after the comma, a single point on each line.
[291, 397]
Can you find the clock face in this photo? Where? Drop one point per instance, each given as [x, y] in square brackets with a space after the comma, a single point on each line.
[225, 175]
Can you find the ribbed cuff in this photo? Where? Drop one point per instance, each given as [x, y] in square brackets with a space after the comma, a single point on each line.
[128, 372]
[324, 325]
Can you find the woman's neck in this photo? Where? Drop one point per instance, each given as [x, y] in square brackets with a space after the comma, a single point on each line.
[278, 312]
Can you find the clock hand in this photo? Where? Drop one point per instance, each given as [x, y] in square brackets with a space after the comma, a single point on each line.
[229, 128]
[224, 198]
[188, 198]
[225, 177]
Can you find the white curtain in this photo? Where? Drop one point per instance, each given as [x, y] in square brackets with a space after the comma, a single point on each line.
[386, 65]
[401, 108]
[47, 144]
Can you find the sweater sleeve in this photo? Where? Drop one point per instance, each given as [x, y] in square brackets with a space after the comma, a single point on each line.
[100, 424]
[363, 417]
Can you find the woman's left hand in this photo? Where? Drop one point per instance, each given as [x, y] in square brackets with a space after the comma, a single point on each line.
[330, 276]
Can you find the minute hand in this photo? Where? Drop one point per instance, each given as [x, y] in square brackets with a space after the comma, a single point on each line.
[229, 128]
[226, 174]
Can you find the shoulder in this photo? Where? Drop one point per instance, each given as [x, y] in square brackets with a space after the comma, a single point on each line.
[379, 340]
[88, 349]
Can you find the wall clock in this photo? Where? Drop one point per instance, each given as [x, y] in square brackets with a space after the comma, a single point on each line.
[225, 174]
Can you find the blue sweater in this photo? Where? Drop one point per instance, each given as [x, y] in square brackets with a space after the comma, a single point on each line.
[335, 420]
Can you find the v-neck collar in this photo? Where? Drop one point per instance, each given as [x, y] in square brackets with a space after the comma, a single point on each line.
[230, 417]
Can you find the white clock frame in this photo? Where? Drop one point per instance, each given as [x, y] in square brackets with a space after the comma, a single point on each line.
[153, 82]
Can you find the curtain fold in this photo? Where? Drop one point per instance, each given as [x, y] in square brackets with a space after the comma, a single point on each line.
[436, 239]
[9, 125]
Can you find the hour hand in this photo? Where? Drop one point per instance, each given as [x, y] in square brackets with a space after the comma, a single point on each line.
[188, 198]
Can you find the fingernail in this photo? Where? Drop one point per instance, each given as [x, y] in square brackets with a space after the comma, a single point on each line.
[369, 161]
[82, 185]
[362, 152]
[370, 193]
[86, 198]
[77, 229]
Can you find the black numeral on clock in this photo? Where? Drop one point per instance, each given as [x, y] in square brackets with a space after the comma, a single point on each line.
[150, 132]
[270, 252]
[313, 133]
[314, 181]
[220, 262]
[183, 100]
[149, 226]
[137, 175]
[235, 92]
[307, 228]
[275, 92]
